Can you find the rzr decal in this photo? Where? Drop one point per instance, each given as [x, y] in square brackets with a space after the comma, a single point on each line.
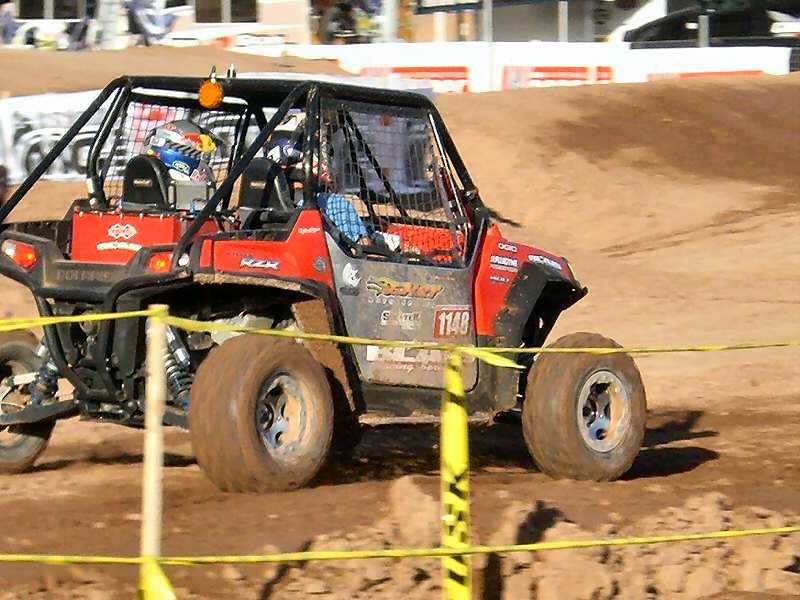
[260, 263]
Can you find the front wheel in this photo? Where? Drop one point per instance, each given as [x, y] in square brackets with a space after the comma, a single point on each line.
[584, 414]
[20, 445]
[261, 415]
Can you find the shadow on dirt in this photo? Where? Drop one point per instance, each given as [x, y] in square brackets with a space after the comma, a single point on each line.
[389, 452]
[664, 427]
[531, 531]
[393, 451]
[121, 458]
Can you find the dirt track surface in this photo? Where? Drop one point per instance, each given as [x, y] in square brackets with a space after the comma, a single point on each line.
[677, 204]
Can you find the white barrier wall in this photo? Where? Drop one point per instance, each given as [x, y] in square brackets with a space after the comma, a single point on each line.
[481, 67]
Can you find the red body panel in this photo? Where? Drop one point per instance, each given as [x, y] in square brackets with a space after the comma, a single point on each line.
[113, 237]
[304, 254]
[498, 265]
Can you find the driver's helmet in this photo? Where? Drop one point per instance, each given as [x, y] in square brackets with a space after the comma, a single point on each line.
[186, 149]
[284, 146]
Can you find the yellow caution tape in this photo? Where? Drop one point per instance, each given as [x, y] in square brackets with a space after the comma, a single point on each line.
[25, 323]
[488, 354]
[153, 584]
[320, 555]
[454, 457]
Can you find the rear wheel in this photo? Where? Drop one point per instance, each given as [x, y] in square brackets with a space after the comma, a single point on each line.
[261, 415]
[20, 445]
[584, 414]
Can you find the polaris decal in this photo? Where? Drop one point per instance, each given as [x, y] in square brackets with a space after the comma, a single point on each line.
[260, 263]
[118, 245]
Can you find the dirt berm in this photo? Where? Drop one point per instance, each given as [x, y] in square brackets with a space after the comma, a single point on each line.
[679, 205]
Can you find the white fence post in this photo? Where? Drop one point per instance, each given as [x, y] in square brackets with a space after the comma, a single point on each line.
[153, 584]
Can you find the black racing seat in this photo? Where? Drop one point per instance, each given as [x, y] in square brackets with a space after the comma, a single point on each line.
[264, 185]
[145, 183]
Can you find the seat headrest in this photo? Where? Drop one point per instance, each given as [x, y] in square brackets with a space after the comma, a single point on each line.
[264, 185]
[145, 182]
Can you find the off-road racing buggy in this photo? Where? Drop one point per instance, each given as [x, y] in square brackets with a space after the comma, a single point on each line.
[308, 206]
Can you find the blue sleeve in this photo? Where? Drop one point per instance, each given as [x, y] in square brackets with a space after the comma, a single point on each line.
[339, 210]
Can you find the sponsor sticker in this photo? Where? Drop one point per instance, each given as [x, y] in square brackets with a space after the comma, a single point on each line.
[406, 359]
[260, 263]
[504, 263]
[499, 279]
[452, 321]
[320, 265]
[506, 247]
[350, 275]
[308, 230]
[406, 321]
[181, 166]
[118, 245]
[546, 261]
[388, 287]
[118, 231]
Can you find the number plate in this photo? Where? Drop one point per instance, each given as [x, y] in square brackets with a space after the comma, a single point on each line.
[452, 321]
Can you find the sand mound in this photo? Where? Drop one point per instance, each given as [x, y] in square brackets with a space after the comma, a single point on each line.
[684, 571]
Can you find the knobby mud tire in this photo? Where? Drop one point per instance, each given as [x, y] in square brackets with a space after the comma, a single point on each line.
[223, 423]
[550, 420]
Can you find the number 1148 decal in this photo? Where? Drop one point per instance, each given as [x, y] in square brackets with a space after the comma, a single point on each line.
[452, 321]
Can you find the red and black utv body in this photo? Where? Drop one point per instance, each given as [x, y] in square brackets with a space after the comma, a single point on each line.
[373, 229]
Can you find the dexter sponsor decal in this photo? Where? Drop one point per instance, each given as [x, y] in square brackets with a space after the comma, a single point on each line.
[504, 263]
[406, 359]
[260, 263]
[387, 287]
[452, 321]
[546, 261]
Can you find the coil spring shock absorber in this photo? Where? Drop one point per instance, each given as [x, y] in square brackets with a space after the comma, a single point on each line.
[45, 384]
[178, 363]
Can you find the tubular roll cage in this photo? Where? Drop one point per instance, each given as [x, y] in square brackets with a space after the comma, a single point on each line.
[256, 94]
[285, 94]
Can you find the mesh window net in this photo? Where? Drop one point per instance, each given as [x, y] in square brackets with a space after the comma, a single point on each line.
[136, 124]
[385, 181]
